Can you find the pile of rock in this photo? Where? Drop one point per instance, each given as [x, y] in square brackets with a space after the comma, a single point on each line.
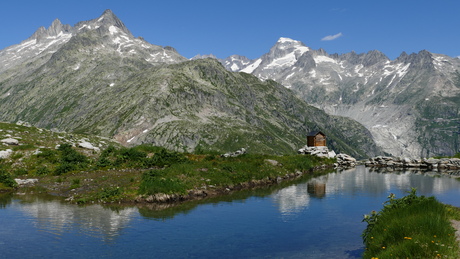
[234, 154]
[431, 163]
[321, 151]
[344, 160]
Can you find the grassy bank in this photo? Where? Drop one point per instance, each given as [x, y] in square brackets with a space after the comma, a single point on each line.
[119, 174]
[411, 227]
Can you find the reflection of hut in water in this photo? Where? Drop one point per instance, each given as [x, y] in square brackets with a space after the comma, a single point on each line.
[317, 188]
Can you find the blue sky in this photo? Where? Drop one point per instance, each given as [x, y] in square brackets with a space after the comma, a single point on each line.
[251, 27]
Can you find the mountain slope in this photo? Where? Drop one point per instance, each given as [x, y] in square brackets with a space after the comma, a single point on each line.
[101, 80]
[410, 104]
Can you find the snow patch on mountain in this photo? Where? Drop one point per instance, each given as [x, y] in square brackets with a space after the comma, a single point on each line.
[249, 69]
[321, 59]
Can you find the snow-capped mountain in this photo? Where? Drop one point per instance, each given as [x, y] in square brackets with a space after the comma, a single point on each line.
[44, 42]
[403, 102]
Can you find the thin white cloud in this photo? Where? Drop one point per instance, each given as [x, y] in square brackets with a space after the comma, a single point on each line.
[332, 37]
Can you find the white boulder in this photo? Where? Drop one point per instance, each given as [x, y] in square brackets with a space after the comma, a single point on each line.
[6, 153]
[10, 141]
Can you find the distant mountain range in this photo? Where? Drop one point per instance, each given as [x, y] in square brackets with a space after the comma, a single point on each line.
[97, 78]
[410, 104]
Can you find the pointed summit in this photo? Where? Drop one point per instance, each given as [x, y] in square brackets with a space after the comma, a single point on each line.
[57, 27]
[108, 18]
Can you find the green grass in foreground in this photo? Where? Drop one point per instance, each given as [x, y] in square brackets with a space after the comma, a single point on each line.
[411, 227]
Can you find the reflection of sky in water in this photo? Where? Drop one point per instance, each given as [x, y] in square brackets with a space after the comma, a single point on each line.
[296, 198]
[94, 220]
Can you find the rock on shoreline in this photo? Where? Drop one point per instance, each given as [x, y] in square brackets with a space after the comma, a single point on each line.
[343, 160]
[429, 164]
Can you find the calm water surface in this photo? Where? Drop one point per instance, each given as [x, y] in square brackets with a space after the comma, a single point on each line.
[313, 218]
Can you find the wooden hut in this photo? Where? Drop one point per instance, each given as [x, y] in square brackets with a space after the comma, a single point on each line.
[316, 139]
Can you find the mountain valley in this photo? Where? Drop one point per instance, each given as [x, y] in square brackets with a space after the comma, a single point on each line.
[97, 78]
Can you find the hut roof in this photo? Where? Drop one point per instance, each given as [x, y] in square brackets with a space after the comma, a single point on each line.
[314, 133]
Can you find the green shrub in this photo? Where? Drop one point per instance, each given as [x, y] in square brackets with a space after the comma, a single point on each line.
[131, 155]
[43, 170]
[64, 168]
[7, 179]
[166, 158]
[70, 160]
[48, 155]
[70, 155]
[20, 171]
[410, 227]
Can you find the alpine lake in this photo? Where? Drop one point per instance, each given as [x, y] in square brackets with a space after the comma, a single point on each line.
[318, 217]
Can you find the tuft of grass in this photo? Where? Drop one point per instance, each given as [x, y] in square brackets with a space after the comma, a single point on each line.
[410, 227]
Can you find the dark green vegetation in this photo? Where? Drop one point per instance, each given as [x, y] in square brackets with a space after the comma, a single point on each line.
[121, 174]
[411, 227]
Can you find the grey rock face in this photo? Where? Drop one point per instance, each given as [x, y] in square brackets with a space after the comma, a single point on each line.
[407, 103]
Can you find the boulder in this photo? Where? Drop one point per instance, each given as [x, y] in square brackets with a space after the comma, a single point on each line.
[345, 160]
[26, 182]
[234, 154]
[85, 144]
[320, 151]
[10, 141]
[272, 162]
[6, 153]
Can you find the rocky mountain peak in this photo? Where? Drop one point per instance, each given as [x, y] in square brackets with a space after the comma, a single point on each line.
[109, 18]
[108, 21]
[421, 60]
[199, 56]
[372, 57]
[54, 30]
[288, 44]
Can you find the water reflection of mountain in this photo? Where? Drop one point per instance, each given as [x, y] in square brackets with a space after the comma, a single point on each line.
[291, 200]
[295, 198]
[360, 179]
[95, 220]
